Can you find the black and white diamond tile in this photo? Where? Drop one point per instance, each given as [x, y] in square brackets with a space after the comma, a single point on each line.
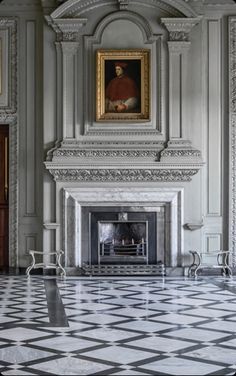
[129, 326]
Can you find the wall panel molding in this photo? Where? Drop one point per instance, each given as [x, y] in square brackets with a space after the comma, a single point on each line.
[214, 117]
[30, 139]
[8, 36]
[232, 136]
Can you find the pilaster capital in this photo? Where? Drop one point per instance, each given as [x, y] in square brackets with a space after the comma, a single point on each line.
[179, 28]
[66, 29]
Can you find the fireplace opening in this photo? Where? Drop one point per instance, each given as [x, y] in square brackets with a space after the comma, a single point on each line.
[123, 242]
[123, 237]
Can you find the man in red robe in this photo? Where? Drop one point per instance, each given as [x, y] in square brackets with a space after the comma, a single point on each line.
[122, 94]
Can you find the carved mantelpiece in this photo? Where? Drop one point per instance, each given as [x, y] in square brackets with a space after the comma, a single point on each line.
[124, 161]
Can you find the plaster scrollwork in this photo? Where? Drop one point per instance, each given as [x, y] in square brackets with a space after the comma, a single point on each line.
[123, 175]
[178, 35]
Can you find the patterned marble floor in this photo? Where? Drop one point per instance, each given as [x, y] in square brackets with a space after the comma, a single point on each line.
[123, 326]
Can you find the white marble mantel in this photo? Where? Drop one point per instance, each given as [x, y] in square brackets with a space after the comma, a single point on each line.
[77, 198]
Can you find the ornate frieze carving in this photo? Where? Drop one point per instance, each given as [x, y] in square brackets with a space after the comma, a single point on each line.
[123, 175]
[105, 153]
[181, 153]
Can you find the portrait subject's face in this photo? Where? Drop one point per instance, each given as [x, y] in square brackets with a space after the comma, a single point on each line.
[119, 71]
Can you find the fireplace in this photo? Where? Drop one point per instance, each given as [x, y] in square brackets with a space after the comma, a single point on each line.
[122, 227]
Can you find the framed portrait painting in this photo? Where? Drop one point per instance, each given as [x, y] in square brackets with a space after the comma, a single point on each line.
[123, 85]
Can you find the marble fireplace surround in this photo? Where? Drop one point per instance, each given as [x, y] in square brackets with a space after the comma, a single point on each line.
[75, 199]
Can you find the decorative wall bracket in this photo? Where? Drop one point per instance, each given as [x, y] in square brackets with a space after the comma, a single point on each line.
[193, 226]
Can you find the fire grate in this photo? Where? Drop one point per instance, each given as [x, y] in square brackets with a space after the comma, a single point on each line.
[115, 269]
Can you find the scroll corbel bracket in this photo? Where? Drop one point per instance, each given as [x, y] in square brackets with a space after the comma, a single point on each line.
[192, 226]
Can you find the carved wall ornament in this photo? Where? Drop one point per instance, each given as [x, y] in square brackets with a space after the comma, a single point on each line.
[123, 175]
[123, 4]
[178, 35]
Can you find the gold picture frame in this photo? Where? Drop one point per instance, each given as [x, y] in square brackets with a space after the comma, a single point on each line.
[123, 85]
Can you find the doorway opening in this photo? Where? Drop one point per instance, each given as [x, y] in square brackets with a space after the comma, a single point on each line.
[4, 196]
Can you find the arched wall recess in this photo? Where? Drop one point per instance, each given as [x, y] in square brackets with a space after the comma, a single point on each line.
[110, 34]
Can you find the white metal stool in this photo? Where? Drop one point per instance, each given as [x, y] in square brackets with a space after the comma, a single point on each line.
[49, 265]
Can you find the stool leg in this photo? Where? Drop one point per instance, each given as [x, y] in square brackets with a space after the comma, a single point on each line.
[63, 273]
[30, 267]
